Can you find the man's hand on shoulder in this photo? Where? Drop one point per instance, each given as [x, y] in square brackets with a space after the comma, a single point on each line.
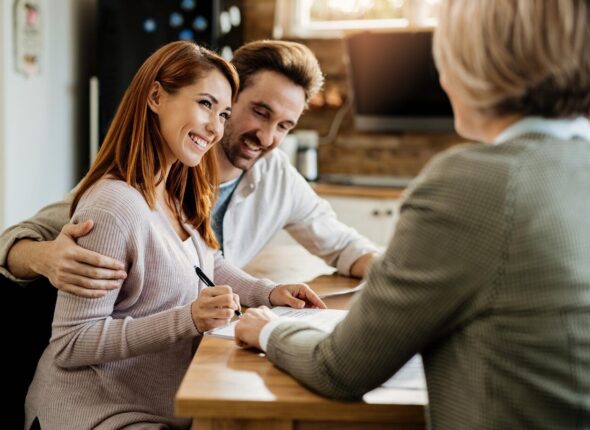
[68, 266]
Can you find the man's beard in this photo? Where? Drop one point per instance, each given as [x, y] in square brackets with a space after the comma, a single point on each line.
[232, 148]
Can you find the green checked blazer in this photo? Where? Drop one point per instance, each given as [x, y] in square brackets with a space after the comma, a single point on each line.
[488, 277]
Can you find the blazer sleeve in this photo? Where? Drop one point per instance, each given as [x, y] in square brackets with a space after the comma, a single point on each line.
[437, 273]
[315, 226]
[84, 330]
[45, 225]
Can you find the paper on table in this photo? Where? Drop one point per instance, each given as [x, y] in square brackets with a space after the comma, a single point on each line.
[410, 376]
[323, 319]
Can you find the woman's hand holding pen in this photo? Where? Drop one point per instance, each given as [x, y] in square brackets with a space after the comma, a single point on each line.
[214, 307]
[295, 296]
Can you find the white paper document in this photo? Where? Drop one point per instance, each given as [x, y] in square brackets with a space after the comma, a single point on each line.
[323, 319]
[409, 377]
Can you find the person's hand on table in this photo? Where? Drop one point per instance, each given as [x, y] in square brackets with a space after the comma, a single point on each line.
[247, 330]
[360, 267]
[295, 296]
[248, 327]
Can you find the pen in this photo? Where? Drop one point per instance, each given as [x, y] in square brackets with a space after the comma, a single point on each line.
[210, 283]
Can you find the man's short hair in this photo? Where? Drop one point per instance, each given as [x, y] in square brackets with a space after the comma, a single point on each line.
[290, 59]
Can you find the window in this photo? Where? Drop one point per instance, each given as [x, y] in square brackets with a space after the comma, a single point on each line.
[329, 18]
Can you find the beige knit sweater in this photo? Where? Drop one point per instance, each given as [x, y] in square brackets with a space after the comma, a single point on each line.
[117, 361]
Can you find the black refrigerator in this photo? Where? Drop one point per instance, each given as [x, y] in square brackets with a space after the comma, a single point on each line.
[128, 31]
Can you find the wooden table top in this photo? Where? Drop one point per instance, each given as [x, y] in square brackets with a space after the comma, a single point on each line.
[226, 381]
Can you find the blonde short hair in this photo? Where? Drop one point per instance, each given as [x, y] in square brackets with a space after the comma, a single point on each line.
[528, 57]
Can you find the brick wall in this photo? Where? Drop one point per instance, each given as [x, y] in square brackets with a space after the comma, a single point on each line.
[399, 154]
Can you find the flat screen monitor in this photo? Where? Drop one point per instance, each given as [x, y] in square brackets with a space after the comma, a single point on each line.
[395, 83]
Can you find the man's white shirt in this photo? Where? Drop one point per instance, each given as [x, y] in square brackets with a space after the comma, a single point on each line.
[271, 196]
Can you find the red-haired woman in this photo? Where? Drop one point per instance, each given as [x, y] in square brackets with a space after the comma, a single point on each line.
[116, 361]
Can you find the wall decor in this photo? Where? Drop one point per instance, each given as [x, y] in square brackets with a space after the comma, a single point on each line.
[27, 37]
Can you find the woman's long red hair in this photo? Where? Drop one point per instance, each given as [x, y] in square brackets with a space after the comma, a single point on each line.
[132, 150]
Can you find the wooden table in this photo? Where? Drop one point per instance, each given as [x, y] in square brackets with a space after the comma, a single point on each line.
[230, 388]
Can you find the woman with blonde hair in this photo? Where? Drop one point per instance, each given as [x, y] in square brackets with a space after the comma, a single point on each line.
[117, 360]
[488, 273]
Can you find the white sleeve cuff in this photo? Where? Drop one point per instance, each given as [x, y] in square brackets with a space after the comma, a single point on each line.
[266, 331]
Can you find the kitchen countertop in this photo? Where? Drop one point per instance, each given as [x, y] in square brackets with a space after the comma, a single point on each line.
[326, 189]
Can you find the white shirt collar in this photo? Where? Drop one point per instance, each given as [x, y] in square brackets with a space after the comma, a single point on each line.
[564, 129]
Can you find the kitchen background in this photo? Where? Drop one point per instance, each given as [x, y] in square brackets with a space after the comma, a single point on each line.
[44, 113]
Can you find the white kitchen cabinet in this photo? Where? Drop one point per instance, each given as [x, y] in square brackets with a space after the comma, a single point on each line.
[374, 218]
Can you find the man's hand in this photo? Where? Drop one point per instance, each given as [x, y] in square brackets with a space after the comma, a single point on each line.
[361, 265]
[247, 330]
[214, 307]
[295, 296]
[71, 268]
